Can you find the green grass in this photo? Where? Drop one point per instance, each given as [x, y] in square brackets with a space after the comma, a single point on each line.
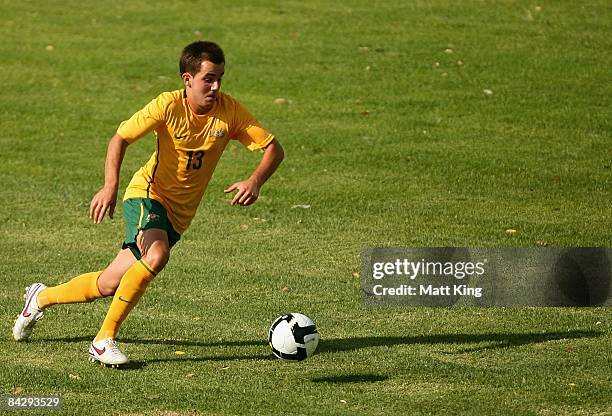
[390, 138]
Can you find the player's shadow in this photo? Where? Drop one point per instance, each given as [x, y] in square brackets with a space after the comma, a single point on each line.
[172, 342]
[188, 357]
[193, 343]
[137, 365]
[334, 345]
[492, 340]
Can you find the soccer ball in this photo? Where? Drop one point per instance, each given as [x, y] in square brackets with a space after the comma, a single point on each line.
[293, 337]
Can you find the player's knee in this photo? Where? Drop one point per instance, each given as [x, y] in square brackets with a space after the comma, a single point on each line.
[107, 288]
[108, 282]
[157, 259]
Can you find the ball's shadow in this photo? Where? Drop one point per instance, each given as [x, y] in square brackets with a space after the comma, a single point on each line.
[350, 378]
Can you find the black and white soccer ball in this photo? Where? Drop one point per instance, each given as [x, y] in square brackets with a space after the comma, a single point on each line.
[293, 337]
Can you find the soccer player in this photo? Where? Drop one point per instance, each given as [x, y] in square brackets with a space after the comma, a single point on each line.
[192, 127]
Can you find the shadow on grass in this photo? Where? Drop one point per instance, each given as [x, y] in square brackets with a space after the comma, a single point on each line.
[350, 378]
[498, 340]
[493, 341]
[173, 342]
[138, 365]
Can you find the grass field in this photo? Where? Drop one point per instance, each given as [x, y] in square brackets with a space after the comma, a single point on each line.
[416, 124]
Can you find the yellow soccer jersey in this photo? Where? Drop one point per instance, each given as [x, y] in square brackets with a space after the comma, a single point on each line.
[187, 150]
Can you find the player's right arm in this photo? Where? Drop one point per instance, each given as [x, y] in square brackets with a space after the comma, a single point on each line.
[106, 199]
[141, 123]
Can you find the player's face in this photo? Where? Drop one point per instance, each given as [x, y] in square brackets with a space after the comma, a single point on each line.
[203, 87]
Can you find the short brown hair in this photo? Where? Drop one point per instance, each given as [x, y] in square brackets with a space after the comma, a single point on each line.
[197, 52]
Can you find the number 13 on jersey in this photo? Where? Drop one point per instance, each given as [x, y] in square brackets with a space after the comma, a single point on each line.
[194, 159]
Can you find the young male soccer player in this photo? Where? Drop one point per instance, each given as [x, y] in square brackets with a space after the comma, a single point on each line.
[192, 128]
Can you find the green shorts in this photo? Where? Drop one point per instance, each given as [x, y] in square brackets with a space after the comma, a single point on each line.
[145, 214]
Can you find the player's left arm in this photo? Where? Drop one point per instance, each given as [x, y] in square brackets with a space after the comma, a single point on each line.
[248, 189]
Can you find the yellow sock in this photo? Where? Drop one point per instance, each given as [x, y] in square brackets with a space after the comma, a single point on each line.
[132, 286]
[83, 288]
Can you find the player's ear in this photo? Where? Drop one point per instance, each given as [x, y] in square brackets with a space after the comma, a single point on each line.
[187, 79]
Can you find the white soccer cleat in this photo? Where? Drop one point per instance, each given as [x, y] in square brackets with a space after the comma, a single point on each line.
[106, 352]
[31, 313]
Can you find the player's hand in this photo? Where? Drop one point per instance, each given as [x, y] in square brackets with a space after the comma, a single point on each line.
[248, 192]
[104, 201]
